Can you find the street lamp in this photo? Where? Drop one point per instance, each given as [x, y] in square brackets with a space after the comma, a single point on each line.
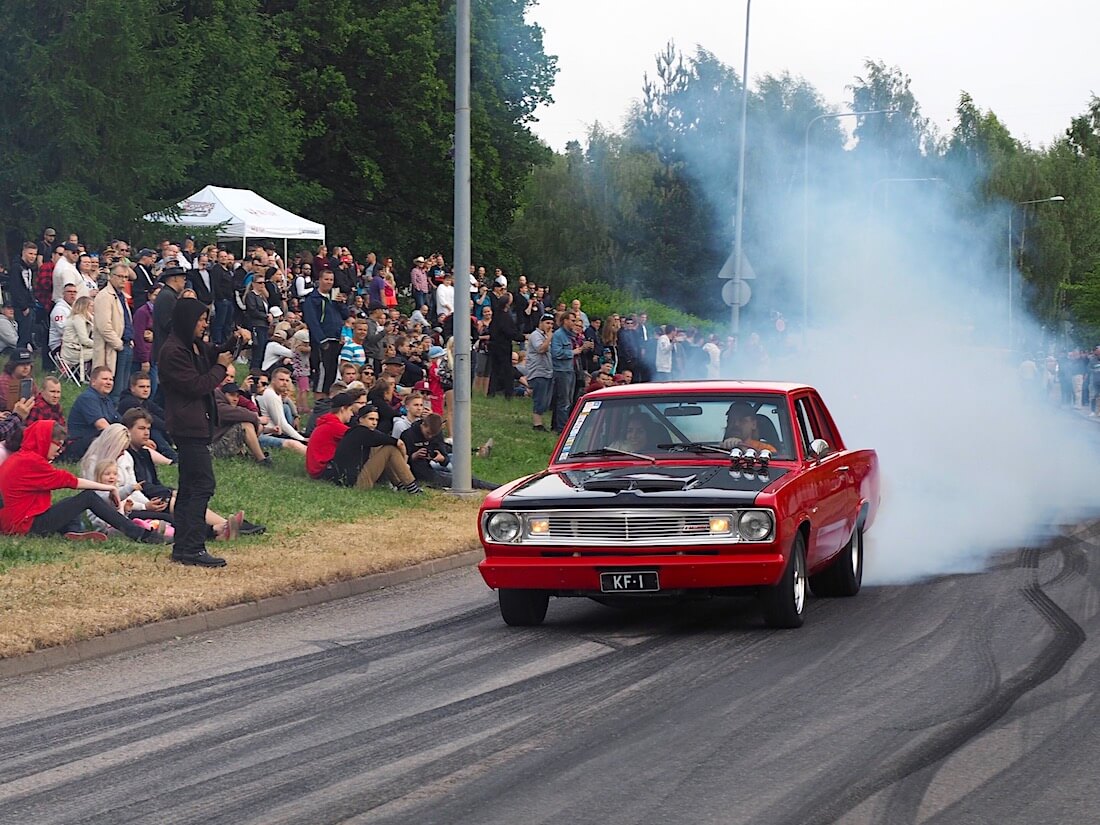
[735, 310]
[806, 206]
[885, 183]
[1011, 262]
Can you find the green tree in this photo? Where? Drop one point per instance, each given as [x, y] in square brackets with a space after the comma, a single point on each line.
[98, 122]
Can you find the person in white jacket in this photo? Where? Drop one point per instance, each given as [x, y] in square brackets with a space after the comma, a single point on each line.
[279, 433]
[663, 363]
[275, 350]
[76, 337]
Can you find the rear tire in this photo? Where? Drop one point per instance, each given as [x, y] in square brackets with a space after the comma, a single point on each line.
[523, 608]
[844, 576]
[784, 603]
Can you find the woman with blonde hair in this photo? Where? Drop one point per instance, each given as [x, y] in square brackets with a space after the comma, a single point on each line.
[76, 338]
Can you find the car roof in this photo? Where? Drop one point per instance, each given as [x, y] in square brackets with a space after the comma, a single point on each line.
[698, 388]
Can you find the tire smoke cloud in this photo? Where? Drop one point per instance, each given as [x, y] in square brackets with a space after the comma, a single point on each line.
[909, 347]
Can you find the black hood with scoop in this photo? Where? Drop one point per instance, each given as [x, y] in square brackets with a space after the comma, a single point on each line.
[634, 486]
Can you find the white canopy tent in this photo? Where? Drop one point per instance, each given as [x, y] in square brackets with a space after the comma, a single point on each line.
[239, 213]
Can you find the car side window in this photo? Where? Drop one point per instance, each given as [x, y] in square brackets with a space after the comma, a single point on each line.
[824, 429]
[805, 423]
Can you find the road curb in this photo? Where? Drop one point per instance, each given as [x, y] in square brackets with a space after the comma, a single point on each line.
[134, 637]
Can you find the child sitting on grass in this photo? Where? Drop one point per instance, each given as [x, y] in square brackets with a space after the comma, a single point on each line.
[106, 472]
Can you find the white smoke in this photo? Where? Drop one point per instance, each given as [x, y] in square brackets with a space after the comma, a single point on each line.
[908, 348]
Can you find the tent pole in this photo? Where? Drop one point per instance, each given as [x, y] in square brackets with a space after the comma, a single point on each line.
[244, 246]
[284, 252]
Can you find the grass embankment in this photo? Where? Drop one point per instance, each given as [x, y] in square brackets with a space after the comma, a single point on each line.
[55, 592]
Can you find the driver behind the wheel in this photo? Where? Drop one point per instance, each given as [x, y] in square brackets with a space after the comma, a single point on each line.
[636, 436]
[742, 429]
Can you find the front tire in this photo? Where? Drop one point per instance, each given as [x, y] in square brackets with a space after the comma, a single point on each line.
[844, 576]
[523, 608]
[784, 603]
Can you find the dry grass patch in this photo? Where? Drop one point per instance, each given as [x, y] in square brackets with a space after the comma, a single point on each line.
[94, 593]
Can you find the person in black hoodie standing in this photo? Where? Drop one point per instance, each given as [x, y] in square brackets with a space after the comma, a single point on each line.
[191, 370]
[502, 333]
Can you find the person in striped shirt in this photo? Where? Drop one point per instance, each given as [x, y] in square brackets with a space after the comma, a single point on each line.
[352, 352]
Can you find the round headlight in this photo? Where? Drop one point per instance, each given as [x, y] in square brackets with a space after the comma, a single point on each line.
[503, 526]
[754, 525]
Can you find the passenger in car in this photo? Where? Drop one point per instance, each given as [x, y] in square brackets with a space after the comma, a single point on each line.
[743, 429]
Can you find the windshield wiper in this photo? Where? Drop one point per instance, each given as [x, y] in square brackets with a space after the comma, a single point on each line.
[613, 451]
[692, 447]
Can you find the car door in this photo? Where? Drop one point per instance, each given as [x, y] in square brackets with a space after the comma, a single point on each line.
[825, 484]
[845, 472]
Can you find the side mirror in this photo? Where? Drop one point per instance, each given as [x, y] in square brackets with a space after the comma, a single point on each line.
[819, 448]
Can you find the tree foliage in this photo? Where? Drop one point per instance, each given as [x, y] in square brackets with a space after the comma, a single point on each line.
[343, 109]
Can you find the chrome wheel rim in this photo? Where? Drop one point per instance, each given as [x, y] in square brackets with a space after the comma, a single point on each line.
[857, 548]
[799, 584]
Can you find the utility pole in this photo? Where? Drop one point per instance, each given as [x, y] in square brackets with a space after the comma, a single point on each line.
[461, 437]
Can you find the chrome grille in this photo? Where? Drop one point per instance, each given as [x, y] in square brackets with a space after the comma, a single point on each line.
[629, 527]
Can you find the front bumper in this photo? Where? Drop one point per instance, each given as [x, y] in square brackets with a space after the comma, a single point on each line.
[760, 566]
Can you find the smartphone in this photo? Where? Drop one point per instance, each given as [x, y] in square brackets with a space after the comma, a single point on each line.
[26, 388]
[336, 295]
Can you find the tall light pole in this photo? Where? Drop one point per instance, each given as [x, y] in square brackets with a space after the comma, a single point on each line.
[1012, 262]
[806, 206]
[461, 437]
[735, 310]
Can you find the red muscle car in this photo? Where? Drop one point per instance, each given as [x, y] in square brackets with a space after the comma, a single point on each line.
[686, 488]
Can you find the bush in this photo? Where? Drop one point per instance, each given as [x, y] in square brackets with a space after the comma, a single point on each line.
[600, 300]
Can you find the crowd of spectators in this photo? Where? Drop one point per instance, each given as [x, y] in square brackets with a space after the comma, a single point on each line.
[325, 364]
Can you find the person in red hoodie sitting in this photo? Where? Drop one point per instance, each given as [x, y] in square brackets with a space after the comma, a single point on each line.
[330, 428]
[27, 479]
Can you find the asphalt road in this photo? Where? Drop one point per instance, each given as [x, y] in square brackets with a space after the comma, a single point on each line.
[969, 699]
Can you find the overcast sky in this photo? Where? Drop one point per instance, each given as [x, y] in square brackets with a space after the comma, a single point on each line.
[1032, 63]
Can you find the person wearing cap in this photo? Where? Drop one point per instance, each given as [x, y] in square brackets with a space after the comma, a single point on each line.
[366, 454]
[9, 330]
[540, 373]
[46, 246]
[331, 427]
[65, 271]
[377, 329]
[277, 351]
[19, 367]
[173, 280]
[144, 279]
[394, 369]
[440, 379]
[419, 281]
[20, 291]
[238, 430]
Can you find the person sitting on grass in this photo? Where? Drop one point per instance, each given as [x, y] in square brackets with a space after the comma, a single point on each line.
[280, 432]
[27, 480]
[139, 395]
[154, 499]
[427, 454]
[106, 472]
[331, 427]
[238, 430]
[365, 455]
[92, 412]
[47, 404]
[415, 408]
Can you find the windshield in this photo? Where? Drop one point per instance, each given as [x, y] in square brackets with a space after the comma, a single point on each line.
[656, 426]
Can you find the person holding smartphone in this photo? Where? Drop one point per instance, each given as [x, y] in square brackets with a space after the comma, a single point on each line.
[191, 369]
[17, 372]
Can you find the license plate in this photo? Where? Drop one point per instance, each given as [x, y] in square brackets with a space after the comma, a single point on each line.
[633, 582]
